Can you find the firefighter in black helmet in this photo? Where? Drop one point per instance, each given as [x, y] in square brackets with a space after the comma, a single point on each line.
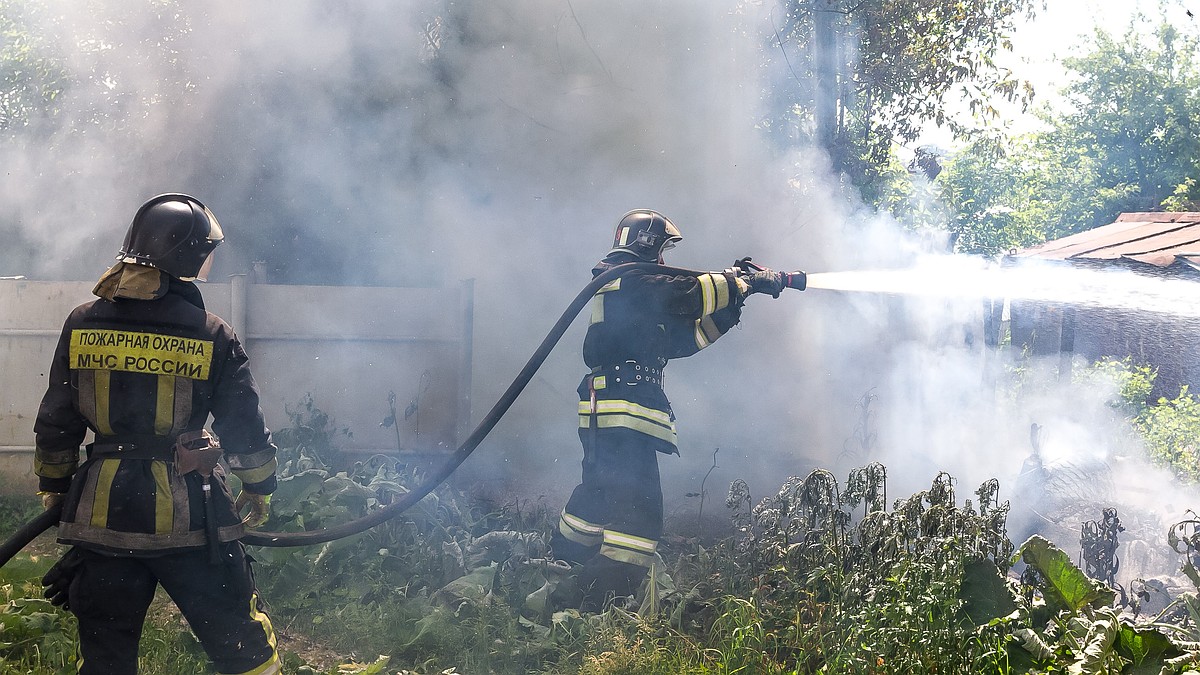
[614, 517]
[142, 369]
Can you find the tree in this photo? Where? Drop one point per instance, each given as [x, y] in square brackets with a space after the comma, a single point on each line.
[1128, 140]
[861, 75]
[31, 74]
[1135, 114]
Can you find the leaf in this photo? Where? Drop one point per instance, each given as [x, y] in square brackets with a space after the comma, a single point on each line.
[1066, 585]
[1140, 645]
[1097, 648]
[984, 593]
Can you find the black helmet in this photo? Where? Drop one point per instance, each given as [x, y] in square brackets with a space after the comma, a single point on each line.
[645, 234]
[173, 232]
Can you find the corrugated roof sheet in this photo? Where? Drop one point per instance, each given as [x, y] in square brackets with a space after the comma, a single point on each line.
[1159, 239]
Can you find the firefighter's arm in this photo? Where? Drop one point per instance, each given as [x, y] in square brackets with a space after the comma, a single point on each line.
[707, 306]
[58, 430]
[238, 421]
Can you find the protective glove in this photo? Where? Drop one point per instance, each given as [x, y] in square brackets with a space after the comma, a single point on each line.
[260, 507]
[766, 281]
[51, 499]
[56, 584]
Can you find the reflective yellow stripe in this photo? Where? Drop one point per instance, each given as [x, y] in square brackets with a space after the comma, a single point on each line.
[598, 300]
[619, 406]
[272, 664]
[706, 332]
[103, 425]
[597, 310]
[271, 667]
[257, 474]
[104, 481]
[628, 548]
[55, 469]
[150, 353]
[721, 284]
[630, 422]
[581, 526]
[708, 295]
[164, 405]
[164, 504]
[630, 541]
[599, 382]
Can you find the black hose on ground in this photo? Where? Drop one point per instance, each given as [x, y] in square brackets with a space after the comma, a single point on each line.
[280, 539]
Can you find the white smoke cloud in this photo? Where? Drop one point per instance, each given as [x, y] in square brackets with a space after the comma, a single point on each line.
[395, 143]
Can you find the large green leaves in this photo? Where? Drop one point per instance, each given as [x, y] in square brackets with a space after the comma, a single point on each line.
[1066, 586]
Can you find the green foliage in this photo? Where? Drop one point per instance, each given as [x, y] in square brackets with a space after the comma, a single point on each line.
[32, 74]
[1125, 141]
[862, 76]
[1171, 429]
[1168, 428]
[33, 633]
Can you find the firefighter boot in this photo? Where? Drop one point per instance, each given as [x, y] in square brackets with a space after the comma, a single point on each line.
[604, 579]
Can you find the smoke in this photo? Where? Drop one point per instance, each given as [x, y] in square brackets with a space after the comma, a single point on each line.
[423, 143]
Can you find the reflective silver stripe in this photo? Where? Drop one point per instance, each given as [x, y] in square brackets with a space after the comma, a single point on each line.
[141, 541]
[721, 284]
[714, 291]
[582, 526]
[709, 328]
[630, 541]
[708, 295]
[628, 548]
[702, 340]
[578, 530]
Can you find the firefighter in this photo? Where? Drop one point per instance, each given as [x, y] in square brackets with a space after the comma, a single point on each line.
[142, 368]
[614, 518]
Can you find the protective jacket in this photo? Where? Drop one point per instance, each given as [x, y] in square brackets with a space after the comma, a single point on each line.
[638, 322]
[138, 373]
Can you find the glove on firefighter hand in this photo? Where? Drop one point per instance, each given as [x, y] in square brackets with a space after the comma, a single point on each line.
[260, 508]
[766, 281]
[56, 585]
[51, 499]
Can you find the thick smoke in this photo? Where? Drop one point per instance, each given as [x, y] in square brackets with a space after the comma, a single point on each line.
[423, 143]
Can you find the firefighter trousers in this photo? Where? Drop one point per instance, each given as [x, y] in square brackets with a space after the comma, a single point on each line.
[614, 517]
[110, 596]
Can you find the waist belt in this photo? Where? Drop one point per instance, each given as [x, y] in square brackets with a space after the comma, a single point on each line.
[630, 372]
[134, 447]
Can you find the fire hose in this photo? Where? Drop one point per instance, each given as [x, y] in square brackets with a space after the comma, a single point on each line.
[53, 515]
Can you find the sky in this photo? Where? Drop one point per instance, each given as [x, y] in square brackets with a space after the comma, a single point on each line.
[421, 144]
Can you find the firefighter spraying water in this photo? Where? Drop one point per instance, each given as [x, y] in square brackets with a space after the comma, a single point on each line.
[639, 321]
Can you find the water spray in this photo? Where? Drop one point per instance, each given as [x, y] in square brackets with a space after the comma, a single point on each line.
[961, 277]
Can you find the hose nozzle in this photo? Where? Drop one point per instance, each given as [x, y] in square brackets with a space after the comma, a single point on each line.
[797, 280]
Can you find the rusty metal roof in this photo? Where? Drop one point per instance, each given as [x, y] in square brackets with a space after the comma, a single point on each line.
[1158, 239]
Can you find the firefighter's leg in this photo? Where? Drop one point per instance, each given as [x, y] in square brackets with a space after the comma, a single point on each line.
[581, 524]
[628, 474]
[221, 605]
[109, 597]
